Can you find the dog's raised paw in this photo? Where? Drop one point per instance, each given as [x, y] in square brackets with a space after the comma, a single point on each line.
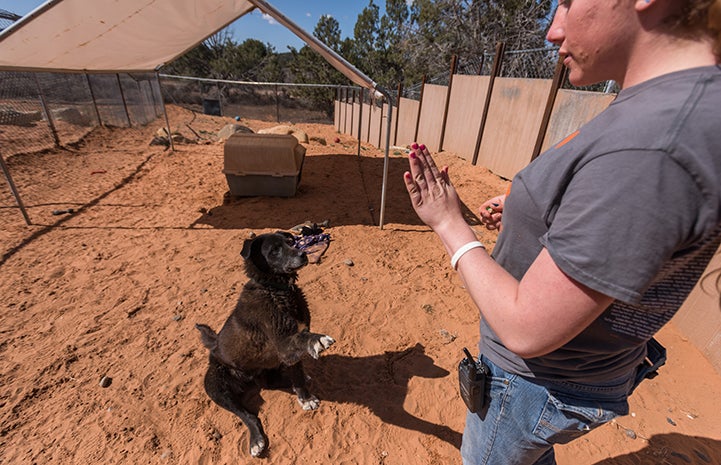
[316, 346]
[311, 403]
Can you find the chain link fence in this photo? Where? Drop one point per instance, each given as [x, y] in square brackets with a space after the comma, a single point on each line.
[43, 110]
[308, 103]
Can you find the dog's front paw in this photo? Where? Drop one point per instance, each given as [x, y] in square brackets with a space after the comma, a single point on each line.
[257, 446]
[309, 403]
[318, 344]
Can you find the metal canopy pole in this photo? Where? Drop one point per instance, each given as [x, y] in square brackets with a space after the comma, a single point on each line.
[167, 122]
[386, 157]
[16, 194]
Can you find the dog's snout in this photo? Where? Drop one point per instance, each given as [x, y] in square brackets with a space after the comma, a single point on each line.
[304, 257]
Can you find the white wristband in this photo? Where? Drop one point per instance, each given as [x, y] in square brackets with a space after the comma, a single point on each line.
[462, 251]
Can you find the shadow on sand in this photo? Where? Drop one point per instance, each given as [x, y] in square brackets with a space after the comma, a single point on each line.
[323, 194]
[672, 449]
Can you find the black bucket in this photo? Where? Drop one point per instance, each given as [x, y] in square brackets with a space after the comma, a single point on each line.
[211, 107]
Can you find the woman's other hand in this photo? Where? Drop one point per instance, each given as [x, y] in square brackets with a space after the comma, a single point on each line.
[491, 212]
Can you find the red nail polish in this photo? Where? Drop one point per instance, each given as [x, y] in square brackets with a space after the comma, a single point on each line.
[414, 146]
[422, 147]
[413, 155]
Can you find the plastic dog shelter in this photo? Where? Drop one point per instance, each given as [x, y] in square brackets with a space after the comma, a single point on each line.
[107, 36]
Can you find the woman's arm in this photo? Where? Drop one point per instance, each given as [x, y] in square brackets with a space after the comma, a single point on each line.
[533, 317]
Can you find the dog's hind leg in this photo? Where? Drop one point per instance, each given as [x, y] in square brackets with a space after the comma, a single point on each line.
[220, 388]
[306, 400]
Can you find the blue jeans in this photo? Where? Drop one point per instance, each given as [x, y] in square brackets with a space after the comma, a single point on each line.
[522, 420]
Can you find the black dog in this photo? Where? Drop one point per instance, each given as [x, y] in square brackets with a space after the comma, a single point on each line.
[264, 338]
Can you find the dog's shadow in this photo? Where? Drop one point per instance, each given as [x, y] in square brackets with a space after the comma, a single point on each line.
[380, 382]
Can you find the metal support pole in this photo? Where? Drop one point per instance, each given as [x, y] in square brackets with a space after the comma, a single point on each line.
[46, 110]
[386, 156]
[277, 105]
[14, 190]
[125, 104]
[220, 100]
[92, 96]
[167, 121]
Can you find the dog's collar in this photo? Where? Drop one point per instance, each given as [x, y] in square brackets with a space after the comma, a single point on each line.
[281, 286]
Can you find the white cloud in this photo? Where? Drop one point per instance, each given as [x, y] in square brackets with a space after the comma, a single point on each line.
[308, 15]
[269, 19]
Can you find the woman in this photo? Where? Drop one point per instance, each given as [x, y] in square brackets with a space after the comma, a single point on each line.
[603, 236]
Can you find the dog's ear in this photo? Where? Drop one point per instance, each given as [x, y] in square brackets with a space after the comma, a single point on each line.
[285, 234]
[247, 248]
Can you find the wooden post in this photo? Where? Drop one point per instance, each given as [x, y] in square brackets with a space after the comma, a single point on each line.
[360, 120]
[352, 112]
[420, 107]
[371, 110]
[380, 122]
[559, 75]
[337, 105]
[398, 112]
[495, 71]
[454, 64]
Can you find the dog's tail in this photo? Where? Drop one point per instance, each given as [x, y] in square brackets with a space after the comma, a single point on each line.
[207, 336]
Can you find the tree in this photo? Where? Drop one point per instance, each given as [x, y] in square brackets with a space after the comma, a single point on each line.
[468, 28]
[309, 67]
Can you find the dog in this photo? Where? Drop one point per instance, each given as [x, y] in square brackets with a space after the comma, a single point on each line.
[263, 340]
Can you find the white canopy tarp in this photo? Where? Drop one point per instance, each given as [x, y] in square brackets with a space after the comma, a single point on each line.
[132, 35]
[139, 36]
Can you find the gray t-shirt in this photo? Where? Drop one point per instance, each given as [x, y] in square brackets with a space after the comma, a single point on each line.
[630, 207]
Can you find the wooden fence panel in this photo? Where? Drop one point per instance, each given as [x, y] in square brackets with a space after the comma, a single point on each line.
[464, 114]
[573, 109]
[384, 125]
[700, 316]
[375, 125]
[365, 122]
[429, 127]
[407, 122]
[355, 116]
[514, 119]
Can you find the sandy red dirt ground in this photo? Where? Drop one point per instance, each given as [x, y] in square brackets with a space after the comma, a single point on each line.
[115, 288]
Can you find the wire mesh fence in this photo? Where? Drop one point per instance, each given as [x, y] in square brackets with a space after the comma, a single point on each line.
[308, 103]
[42, 110]
[538, 63]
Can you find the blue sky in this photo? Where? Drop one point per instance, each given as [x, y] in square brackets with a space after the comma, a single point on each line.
[305, 13]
